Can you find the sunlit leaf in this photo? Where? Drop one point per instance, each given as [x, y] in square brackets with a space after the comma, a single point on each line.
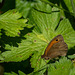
[11, 23]
[62, 67]
[47, 26]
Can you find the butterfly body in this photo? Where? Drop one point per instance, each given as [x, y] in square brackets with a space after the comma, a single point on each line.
[57, 47]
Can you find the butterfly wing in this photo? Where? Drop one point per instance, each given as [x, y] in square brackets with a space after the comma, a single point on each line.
[58, 49]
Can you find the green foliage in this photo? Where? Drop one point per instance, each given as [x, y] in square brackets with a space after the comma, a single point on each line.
[73, 6]
[65, 5]
[62, 67]
[68, 5]
[71, 56]
[24, 7]
[11, 23]
[21, 73]
[12, 73]
[47, 25]
[0, 1]
[18, 53]
[72, 72]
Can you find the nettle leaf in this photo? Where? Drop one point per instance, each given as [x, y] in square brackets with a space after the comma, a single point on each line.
[24, 7]
[62, 67]
[11, 23]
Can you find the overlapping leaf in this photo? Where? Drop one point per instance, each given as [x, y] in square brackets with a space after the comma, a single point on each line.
[25, 49]
[11, 23]
[24, 7]
[45, 29]
[62, 67]
[18, 53]
[65, 5]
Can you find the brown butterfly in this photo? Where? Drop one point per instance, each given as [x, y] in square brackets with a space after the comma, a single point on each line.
[57, 47]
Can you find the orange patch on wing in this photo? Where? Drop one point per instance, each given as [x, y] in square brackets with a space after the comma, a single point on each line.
[50, 45]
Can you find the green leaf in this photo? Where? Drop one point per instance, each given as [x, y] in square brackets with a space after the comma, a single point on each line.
[40, 71]
[24, 49]
[0, 1]
[73, 7]
[12, 73]
[65, 28]
[72, 72]
[36, 73]
[64, 5]
[24, 7]
[1, 58]
[62, 67]
[68, 5]
[11, 23]
[18, 53]
[45, 22]
[71, 56]
[21, 73]
[38, 62]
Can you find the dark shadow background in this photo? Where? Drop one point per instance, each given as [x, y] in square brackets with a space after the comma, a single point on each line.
[23, 66]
